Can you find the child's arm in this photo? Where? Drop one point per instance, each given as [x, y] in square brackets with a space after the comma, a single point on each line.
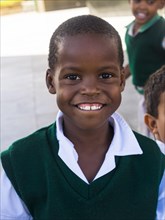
[12, 207]
[160, 213]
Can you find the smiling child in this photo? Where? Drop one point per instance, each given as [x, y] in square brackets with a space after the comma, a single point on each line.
[154, 93]
[89, 164]
[145, 43]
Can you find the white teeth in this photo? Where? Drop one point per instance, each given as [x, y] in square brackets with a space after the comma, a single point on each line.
[95, 107]
[88, 108]
[141, 15]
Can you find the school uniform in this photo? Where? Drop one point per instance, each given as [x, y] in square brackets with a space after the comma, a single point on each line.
[161, 146]
[43, 179]
[146, 54]
[146, 50]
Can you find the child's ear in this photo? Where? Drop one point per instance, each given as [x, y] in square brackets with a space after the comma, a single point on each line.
[150, 121]
[122, 83]
[50, 81]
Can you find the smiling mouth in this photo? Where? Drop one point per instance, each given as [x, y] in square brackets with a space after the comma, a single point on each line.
[90, 107]
[141, 15]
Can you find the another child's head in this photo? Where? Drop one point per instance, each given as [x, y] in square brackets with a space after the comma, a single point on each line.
[145, 10]
[155, 104]
[86, 70]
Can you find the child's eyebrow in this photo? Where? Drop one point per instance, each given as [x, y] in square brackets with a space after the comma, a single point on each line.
[71, 68]
[110, 67]
[99, 68]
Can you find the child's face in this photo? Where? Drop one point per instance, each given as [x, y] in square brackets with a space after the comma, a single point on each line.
[88, 80]
[144, 10]
[157, 125]
[160, 121]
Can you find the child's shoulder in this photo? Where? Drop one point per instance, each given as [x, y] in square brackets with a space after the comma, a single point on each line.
[31, 142]
[162, 19]
[147, 145]
[142, 139]
[29, 152]
[161, 22]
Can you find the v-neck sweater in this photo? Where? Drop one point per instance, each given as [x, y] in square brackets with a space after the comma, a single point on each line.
[145, 50]
[118, 146]
[51, 190]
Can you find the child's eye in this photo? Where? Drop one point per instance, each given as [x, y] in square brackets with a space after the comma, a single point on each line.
[150, 2]
[136, 1]
[105, 75]
[72, 77]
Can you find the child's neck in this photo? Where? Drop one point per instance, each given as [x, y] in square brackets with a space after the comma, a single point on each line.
[91, 149]
[136, 28]
[89, 139]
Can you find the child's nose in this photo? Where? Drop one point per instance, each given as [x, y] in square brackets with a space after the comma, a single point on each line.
[90, 87]
[142, 4]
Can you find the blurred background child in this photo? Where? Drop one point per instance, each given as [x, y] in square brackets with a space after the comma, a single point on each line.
[145, 42]
[154, 93]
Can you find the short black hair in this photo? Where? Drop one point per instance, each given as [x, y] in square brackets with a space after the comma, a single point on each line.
[82, 25]
[153, 89]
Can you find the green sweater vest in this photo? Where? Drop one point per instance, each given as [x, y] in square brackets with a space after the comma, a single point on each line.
[52, 191]
[145, 52]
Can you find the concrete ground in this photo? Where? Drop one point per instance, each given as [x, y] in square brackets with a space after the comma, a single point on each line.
[26, 104]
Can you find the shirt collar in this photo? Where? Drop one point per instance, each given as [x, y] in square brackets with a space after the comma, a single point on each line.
[143, 27]
[66, 147]
[161, 146]
[124, 141]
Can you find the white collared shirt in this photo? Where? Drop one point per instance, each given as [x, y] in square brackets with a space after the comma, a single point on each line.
[161, 146]
[13, 208]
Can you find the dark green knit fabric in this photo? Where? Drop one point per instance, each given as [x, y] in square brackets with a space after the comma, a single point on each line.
[145, 52]
[52, 191]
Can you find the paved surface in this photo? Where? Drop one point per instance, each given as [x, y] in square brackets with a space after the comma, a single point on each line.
[26, 104]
